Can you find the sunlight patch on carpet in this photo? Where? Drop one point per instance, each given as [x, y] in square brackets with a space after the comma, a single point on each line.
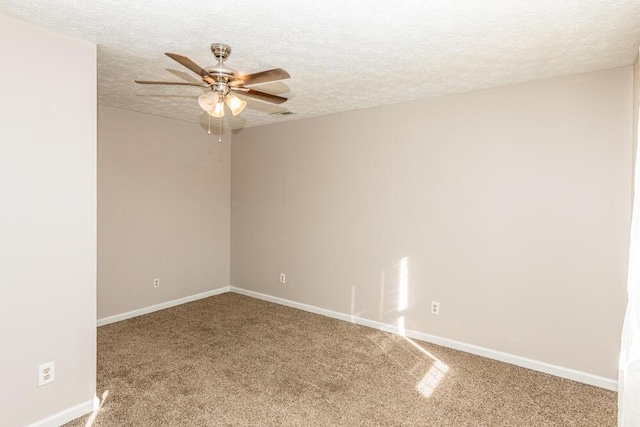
[434, 376]
[432, 379]
[95, 412]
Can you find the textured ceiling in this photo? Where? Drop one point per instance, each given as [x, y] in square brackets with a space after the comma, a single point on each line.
[341, 54]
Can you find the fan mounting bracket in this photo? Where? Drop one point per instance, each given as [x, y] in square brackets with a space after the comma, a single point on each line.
[221, 51]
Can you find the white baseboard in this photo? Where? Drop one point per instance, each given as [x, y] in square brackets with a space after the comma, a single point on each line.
[524, 362]
[68, 414]
[161, 306]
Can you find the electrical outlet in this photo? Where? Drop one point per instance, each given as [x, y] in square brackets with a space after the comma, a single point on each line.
[156, 282]
[46, 373]
[283, 279]
[435, 307]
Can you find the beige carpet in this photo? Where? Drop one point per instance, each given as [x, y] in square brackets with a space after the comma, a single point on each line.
[231, 360]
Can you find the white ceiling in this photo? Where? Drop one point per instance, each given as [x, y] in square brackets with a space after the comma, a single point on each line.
[342, 54]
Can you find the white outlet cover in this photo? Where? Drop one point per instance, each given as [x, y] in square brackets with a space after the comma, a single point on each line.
[46, 373]
[435, 307]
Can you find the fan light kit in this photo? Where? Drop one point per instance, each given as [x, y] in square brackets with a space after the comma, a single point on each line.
[224, 83]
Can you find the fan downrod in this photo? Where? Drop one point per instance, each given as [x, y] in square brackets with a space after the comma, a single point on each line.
[221, 51]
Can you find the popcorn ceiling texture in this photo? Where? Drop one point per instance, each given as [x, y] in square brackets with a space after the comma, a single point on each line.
[342, 55]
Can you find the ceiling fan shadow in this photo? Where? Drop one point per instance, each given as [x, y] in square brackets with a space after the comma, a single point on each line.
[263, 107]
[275, 88]
[229, 123]
[183, 76]
[163, 95]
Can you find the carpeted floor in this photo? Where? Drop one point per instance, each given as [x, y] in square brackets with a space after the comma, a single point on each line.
[232, 360]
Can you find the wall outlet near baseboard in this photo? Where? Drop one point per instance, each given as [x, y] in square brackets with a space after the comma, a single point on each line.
[283, 278]
[435, 307]
[46, 373]
[156, 282]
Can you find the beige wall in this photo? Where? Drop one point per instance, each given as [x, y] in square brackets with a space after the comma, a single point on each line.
[636, 101]
[163, 210]
[47, 221]
[509, 206]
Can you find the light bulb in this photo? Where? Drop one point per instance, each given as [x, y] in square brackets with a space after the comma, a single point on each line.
[236, 105]
[218, 110]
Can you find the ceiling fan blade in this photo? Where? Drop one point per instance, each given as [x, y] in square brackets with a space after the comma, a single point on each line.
[262, 77]
[146, 82]
[183, 60]
[263, 96]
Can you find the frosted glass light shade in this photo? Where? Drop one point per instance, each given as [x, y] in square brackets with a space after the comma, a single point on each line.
[236, 105]
[208, 101]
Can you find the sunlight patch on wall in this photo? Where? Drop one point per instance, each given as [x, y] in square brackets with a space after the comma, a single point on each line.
[402, 331]
[403, 285]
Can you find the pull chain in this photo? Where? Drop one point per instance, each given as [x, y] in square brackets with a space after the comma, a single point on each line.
[209, 131]
[220, 60]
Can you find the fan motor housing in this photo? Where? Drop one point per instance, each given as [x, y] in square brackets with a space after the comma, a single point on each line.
[220, 70]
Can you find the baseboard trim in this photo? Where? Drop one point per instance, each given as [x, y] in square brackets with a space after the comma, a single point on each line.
[68, 414]
[535, 365]
[161, 306]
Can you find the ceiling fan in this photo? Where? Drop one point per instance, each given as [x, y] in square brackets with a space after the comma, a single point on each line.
[225, 82]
